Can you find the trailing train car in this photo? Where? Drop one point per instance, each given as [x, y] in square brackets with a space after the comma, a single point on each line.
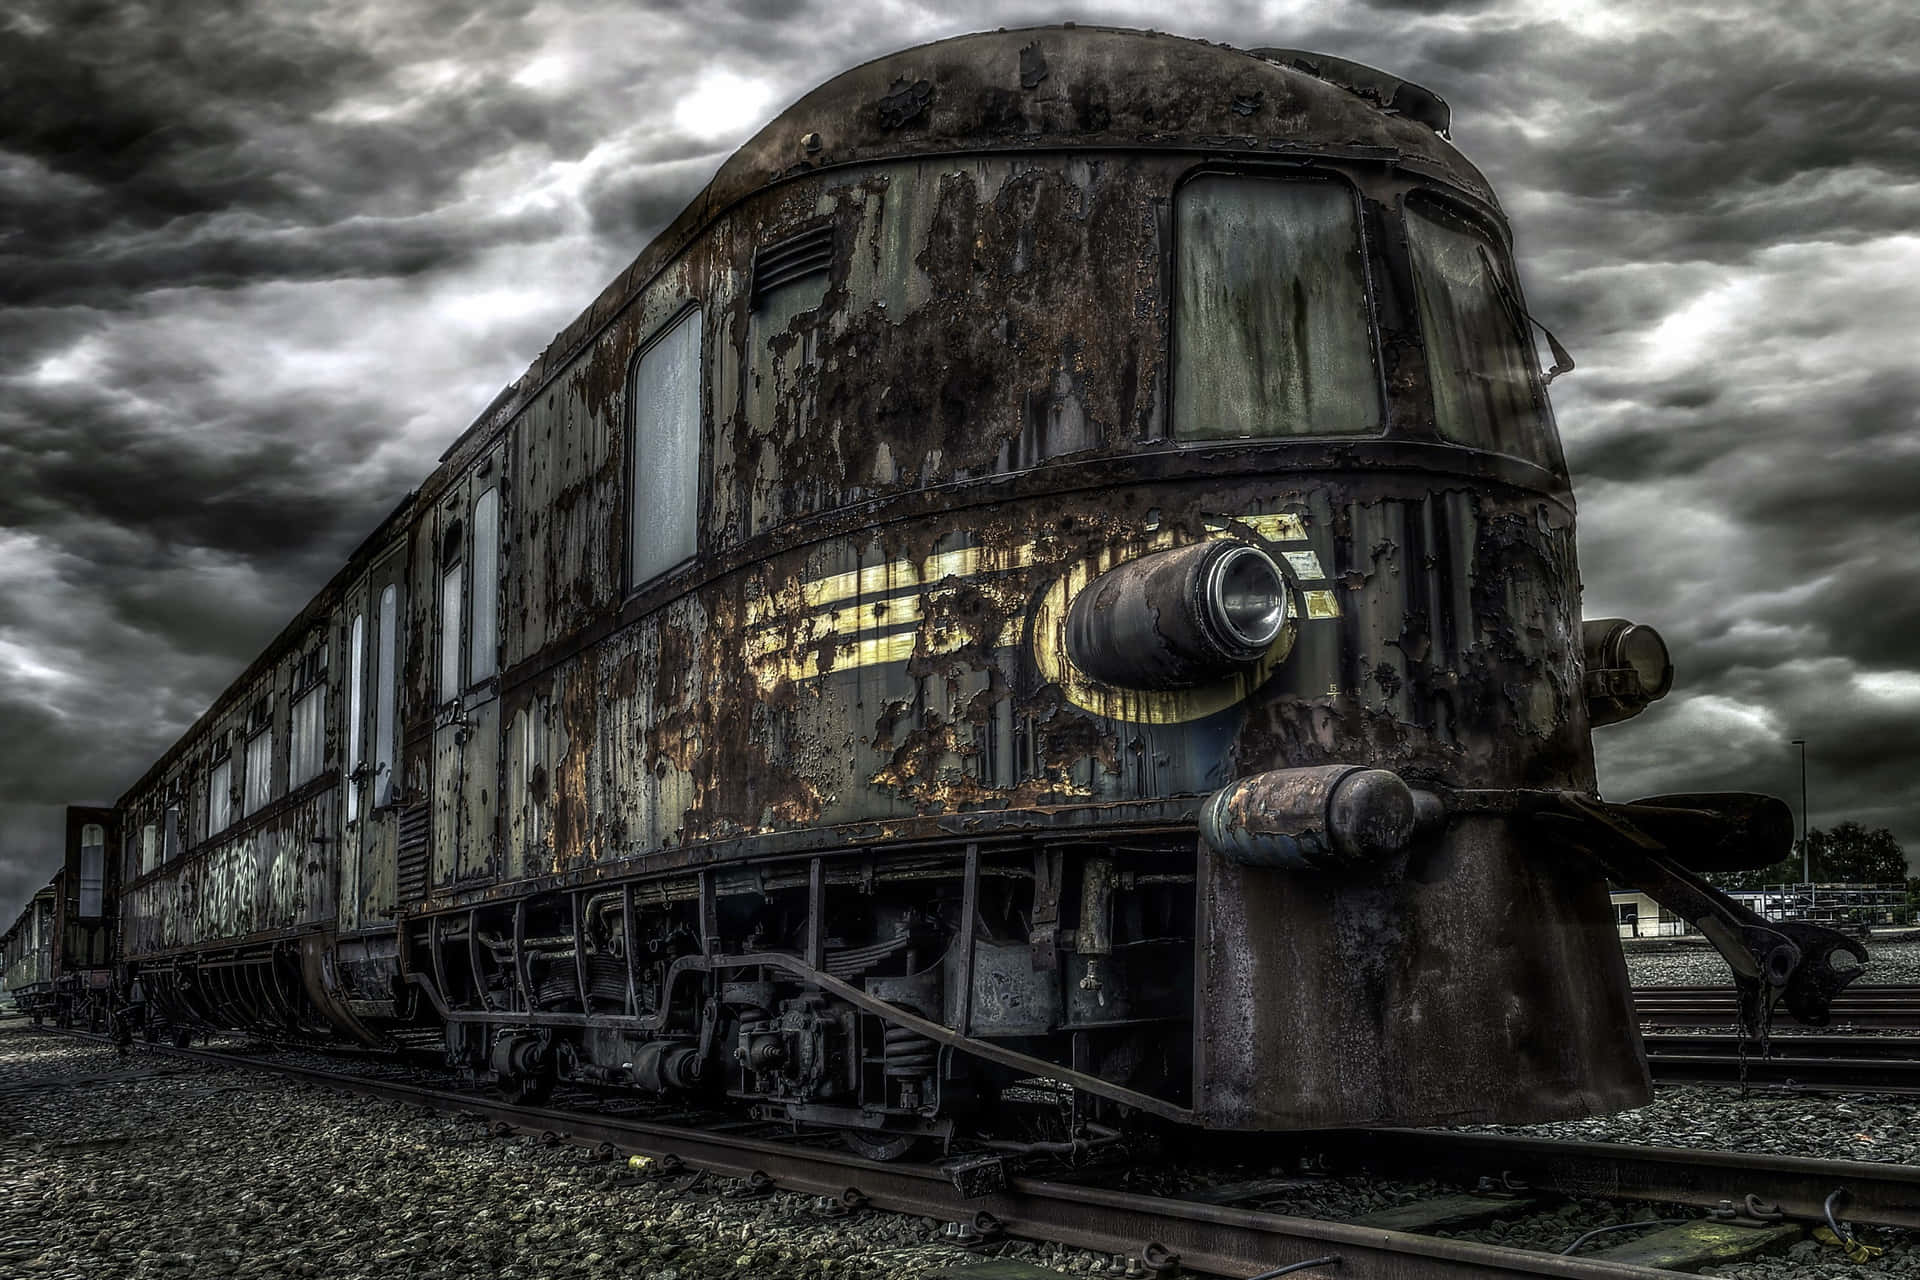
[26, 952]
[1056, 566]
[88, 903]
[60, 956]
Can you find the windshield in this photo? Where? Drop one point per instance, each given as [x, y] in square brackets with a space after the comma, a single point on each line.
[1486, 391]
[1270, 326]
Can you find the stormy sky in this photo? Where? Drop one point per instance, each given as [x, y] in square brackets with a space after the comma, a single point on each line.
[260, 263]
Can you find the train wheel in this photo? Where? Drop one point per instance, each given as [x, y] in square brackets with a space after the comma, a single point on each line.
[39, 1020]
[873, 1145]
[182, 1037]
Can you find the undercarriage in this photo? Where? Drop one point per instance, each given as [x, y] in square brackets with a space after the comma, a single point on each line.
[838, 991]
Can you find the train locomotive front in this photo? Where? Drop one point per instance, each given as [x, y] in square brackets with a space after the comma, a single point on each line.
[1054, 579]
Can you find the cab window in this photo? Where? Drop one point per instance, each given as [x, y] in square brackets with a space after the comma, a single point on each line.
[1480, 357]
[1271, 334]
[663, 480]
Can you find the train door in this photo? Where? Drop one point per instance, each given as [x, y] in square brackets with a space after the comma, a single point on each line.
[374, 643]
[466, 728]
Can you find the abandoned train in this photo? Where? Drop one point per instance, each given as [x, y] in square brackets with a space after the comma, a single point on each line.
[58, 957]
[1057, 565]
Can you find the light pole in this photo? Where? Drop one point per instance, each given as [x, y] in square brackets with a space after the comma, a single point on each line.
[1806, 849]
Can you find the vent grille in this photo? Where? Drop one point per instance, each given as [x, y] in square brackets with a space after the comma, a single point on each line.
[789, 260]
[411, 853]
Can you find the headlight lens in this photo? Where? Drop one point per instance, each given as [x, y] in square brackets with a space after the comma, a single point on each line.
[1642, 649]
[1247, 597]
[1628, 666]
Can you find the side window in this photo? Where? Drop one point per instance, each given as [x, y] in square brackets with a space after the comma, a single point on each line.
[386, 685]
[1480, 356]
[259, 775]
[663, 477]
[307, 744]
[93, 870]
[170, 834]
[149, 847]
[220, 796]
[1271, 332]
[356, 656]
[452, 572]
[483, 631]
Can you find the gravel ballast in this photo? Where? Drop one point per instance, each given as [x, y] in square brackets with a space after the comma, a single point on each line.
[185, 1171]
[1689, 962]
[152, 1166]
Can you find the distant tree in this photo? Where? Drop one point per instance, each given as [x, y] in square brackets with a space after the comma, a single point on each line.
[1851, 854]
[1847, 854]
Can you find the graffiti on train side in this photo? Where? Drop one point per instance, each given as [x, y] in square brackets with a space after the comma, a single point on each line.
[270, 879]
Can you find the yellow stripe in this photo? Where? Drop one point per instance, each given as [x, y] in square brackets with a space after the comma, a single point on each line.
[1283, 526]
[847, 656]
[1305, 564]
[1322, 604]
[895, 575]
[780, 654]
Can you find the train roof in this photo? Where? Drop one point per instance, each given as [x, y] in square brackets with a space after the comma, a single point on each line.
[26, 909]
[1045, 89]
[1048, 88]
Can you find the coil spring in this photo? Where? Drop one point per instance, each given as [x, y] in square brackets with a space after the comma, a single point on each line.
[909, 1055]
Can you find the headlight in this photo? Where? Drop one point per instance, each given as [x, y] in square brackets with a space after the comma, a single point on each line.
[1179, 618]
[1246, 599]
[1628, 667]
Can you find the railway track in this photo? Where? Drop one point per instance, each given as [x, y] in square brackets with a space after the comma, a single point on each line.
[1882, 1008]
[1217, 1230]
[1813, 1063]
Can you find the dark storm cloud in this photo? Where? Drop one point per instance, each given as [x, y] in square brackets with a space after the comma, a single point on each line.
[259, 264]
[1714, 208]
[83, 451]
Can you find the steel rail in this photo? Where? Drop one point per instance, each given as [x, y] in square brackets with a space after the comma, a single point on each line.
[1828, 1064]
[1881, 1194]
[1214, 1239]
[1880, 1048]
[1882, 1007]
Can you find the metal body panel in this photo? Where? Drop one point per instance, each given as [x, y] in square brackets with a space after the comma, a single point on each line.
[275, 877]
[27, 947]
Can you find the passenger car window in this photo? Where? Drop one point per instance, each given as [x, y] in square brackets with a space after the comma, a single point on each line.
[452, 571]
[259, 775]
[483, 633]
[93, 870]
[386, 681]
[664, 466]
[307, 737]
[1271, 335]
[356, 656]
[220, 796]
[1480, 357]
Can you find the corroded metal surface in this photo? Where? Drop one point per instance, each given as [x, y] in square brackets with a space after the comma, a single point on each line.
[935, 301]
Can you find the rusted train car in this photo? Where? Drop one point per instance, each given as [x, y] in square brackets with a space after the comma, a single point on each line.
[60, 955]
[1056, 566]
[26, 956]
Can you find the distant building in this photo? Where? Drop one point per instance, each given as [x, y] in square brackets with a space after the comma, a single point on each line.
[1638, 916]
